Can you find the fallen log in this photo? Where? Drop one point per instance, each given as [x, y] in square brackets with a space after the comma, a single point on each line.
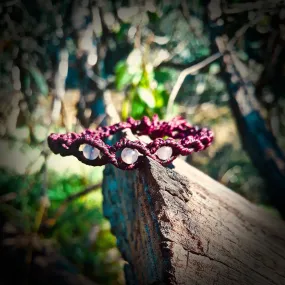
[179, 226]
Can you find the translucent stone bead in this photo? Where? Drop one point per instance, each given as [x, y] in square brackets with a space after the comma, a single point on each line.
[90, 152]
[164, 152]
[129, 155]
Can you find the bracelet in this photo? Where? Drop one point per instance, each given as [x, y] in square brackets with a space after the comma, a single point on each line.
[181, 139]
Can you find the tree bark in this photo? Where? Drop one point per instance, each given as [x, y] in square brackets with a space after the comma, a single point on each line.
[179, 226]
[257, 139]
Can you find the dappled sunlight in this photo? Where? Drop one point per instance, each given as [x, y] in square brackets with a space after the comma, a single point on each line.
[69, 66]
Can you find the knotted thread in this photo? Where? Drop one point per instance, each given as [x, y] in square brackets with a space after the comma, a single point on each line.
[182, 137]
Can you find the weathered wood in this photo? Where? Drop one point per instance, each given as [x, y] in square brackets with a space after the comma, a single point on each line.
[182, 227]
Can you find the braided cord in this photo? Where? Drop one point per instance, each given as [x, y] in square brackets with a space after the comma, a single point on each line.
[182, 137]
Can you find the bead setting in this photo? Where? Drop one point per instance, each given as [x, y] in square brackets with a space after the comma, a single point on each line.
[90, 152]
[129, 155]
[184, 139]
[164, 152]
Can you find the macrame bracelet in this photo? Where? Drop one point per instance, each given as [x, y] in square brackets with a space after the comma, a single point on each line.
[181, 139]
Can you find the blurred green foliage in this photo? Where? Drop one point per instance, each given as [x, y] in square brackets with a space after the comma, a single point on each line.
[80, 233]
[145, 95]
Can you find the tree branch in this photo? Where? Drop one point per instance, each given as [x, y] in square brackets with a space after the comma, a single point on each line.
[51, 221]
[205, 62]
[190, 70]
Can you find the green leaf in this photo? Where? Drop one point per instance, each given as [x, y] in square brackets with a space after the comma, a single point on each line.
[39, 80]
[122, 32]
[146, 96]
[214, 68]
[162, 76]
[25, 82]
[123, 78]
[153, 17]
[203, 51]
[56, 195]
[242, 55]
[137, 78]
[161, 96]
[138, 109]
[125, 109]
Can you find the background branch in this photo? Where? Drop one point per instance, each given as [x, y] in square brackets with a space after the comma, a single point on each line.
[51, 221]
[190, 70]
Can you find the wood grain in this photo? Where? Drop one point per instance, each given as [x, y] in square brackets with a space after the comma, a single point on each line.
[179, 226]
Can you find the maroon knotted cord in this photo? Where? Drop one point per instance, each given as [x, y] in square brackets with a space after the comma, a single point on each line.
[183, 138]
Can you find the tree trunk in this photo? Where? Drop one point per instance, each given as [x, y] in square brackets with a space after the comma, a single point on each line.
[257, 139]
[182, 227]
